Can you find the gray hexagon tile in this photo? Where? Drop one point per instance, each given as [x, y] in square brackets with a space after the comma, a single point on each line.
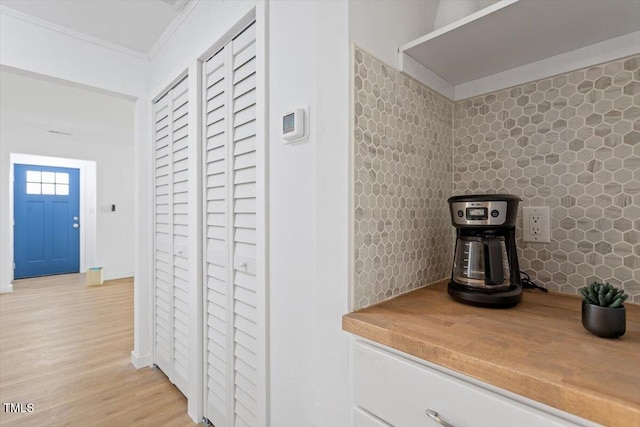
[402, 179]
[571, 142]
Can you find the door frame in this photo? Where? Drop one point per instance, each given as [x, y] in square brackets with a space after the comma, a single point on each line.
[88, 201]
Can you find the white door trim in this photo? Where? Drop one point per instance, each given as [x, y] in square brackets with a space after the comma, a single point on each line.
[196, 338]
[88, 201]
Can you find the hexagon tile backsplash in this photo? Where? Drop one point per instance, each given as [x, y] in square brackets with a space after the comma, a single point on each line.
[571, 142]
[402, 179]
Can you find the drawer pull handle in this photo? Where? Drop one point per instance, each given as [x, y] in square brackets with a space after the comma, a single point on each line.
[434, 416]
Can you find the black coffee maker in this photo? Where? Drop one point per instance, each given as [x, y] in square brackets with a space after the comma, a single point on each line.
[485, 265]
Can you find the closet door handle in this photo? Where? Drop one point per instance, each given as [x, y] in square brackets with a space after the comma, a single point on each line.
[434, 416]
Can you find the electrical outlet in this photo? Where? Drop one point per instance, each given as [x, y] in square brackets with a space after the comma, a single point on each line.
[536, 224]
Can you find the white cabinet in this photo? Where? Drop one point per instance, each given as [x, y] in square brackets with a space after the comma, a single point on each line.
[389, 388]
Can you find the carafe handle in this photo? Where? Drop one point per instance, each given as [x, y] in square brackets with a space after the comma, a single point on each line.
[493, 263]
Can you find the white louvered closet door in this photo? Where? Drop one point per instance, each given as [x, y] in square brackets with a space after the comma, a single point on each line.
[171, 352]
[234, 311]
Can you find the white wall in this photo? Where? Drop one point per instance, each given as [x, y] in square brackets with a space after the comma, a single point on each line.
[332, 204]
[381, 26]
[309, 215]
[293, 218]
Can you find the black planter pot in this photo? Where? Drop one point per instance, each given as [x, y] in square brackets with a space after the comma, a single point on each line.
[604, 322]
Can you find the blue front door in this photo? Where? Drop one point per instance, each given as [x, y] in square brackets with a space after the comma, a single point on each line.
[46, 233]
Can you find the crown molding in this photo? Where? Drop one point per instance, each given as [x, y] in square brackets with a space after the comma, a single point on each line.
[72, 33]
[184, 7]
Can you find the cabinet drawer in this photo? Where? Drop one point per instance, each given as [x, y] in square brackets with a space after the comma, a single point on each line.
[399, 391]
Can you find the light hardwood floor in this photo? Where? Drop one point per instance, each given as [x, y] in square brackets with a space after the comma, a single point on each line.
[66, 347]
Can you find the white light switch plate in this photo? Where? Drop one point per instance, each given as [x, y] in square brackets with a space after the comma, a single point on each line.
[536, 222]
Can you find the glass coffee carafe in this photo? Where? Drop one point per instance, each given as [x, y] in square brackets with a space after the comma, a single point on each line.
[481, 262]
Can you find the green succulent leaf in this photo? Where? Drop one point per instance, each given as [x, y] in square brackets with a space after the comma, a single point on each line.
[603, 294]
[616, 303]
[608, 297]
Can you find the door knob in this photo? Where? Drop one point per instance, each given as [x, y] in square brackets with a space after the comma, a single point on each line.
[75, 225]
[75, 218]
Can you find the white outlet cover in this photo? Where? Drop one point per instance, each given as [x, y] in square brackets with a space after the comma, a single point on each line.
[544, 223]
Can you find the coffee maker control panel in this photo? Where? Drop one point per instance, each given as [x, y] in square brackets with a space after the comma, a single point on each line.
[489, 212]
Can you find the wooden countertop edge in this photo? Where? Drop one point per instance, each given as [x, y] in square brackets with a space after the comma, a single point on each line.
[595, 407]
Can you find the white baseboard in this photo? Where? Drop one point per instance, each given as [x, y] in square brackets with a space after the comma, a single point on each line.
[140, 361]
[114, 276]
[6, 289]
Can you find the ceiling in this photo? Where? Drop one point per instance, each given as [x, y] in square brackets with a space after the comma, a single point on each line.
[133, 24]
[39, 107]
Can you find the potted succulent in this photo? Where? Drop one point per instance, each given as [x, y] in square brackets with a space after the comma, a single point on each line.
[603, 313]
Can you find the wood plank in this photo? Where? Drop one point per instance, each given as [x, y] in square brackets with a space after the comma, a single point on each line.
[66, 348]
[537, 349]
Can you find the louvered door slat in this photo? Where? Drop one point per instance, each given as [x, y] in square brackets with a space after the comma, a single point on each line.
[162, 188]
[244, 40]
[215, 115]
[247, 371]
[246, 235]
[244, 56]
[181, 119]
[244, 86]
[244, 414]
[245, 161]
[243, 101]
[244, 70]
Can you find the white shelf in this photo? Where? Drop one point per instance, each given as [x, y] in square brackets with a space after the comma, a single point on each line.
[513, 33]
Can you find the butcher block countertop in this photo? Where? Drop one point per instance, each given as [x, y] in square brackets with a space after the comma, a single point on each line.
[537, 349]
